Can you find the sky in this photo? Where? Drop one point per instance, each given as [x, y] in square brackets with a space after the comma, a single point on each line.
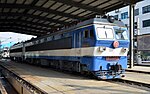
[9, 38]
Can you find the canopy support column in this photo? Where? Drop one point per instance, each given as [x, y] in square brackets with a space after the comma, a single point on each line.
[131, 35]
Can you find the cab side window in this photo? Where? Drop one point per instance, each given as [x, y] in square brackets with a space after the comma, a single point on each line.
[86, 33]
[89, 34]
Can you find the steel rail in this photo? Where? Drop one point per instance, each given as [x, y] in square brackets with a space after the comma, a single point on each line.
[141, 84]
[137, 71]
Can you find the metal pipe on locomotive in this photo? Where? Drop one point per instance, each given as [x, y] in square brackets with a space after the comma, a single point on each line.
[98, 46]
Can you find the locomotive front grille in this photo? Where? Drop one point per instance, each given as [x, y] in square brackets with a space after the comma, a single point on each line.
[112, 58]
[116, 67]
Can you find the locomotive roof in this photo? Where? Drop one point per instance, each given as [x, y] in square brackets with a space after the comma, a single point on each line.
[102, 21]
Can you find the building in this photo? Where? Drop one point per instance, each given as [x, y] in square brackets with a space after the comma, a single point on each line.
[142, 12]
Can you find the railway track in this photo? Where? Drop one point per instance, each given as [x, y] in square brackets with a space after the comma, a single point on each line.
[146, 72]
[123, 81]
[66, 83]
[6, 87]
[2, 89]
[133, 83]
[140, 85]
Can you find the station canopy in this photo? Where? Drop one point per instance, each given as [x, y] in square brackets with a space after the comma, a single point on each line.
[40, 17]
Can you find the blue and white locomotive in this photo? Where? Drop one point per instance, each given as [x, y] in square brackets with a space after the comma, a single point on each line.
[98, 46]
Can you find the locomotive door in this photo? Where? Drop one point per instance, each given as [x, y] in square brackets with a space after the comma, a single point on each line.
[78, 43]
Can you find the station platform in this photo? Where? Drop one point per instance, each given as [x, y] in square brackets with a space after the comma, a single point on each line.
[140, 69]
[137, 77]
[54, 82]
[146, 64]
[138, 74]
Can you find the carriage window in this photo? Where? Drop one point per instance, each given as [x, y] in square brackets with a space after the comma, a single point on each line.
[36, 42]
[105, 33]
[5, 50]
[57, 36]
[49, 38]
[42, 40]
[86, 33]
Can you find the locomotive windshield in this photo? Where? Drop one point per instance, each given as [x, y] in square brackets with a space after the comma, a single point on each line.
[121, 33]
[105, 33]
[5, 50]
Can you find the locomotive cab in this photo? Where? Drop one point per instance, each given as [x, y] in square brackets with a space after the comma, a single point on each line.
[111, 50]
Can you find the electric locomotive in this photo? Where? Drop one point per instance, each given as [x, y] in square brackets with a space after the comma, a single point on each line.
[98, 45]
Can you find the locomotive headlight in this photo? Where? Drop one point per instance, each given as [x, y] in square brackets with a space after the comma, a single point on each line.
[123, 50]
[102, 49]
[111, 19]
